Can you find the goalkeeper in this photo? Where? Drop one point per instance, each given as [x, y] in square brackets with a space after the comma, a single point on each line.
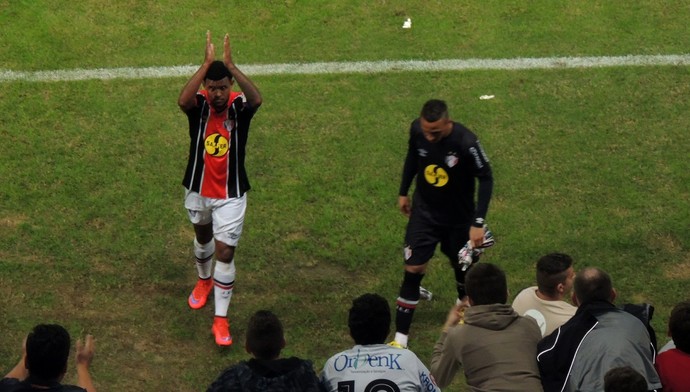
[448, 162]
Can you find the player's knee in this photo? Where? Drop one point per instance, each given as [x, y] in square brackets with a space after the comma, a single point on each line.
[224, 252]
[415, 269]
[203, 232]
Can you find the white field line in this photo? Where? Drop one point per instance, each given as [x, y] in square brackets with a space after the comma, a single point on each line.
[353, 67]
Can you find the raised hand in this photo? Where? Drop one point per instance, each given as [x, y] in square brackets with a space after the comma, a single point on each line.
[210, 50]
[227, 52]
[85, 352]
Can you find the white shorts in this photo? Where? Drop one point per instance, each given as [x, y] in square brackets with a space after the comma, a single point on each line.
[227, 215]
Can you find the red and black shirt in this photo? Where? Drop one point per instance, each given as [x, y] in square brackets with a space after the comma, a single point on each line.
[217, 145]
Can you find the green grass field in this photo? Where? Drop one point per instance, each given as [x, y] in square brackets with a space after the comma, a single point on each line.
[592, 162]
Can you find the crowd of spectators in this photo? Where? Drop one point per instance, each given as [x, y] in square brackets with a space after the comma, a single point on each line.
[531, 346]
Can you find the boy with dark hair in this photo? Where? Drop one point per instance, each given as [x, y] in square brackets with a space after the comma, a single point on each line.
[265, 337]
[44, 363]
[372, 365]
[267, 372]
[624, 379]
[673, 365]
[496, 346]
[545, 302]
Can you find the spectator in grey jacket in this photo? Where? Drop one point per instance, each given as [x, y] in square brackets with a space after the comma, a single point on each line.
[599, 337]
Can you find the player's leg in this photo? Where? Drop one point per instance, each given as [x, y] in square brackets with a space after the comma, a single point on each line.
[454, 239]
[228, 220]
[204, 248]
[420, 242]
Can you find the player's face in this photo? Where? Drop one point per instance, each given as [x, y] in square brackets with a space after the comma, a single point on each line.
[218, 93]
[437, 130]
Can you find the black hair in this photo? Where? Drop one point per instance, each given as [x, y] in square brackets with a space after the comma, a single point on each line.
[552, 271]
[679, 326]
[486, 284]
[47, 350]
[217, 71]
[265, 337]
[624, 379]
[369, 319]
[592, 284]
[434, 110]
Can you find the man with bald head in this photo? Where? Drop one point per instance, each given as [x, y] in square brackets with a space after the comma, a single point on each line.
[599, 337]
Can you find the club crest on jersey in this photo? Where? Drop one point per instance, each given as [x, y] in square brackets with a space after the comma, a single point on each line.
[436, 175]
[228, 124]
[216, 145]
[452, 159]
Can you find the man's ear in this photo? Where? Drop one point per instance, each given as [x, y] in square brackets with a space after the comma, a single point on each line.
[614, 294]
[560, 288]
[574, 299]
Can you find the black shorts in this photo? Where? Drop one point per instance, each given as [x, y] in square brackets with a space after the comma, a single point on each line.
[423, 234]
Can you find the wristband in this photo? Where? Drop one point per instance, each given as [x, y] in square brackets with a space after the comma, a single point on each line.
[478, 222]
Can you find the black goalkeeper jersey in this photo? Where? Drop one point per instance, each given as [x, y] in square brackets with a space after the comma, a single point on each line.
[446, 173]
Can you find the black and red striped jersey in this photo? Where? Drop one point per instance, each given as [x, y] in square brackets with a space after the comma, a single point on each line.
[217, 143]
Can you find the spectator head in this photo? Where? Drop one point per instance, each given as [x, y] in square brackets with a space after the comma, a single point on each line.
[434, 110]
[624, 379]
[47, 350]
[486, 284]
[369, 319]
[593, 284]
[265, 337]
[555, 275]
[679, 326]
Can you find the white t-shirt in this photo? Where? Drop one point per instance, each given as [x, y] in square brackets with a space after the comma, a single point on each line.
[376, 367]
[548, 314]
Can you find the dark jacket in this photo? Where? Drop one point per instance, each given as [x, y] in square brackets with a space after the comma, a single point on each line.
[598, 337]
[14, 385]
[289, 374]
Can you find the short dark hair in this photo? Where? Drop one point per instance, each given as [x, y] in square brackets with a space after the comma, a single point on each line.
[47, 350]
[592, 284]
[369, 319]
[624, 379]
[265, 337]
[217, 71]
[679, 326]
[552, 271]
[434, 110]
[486, 284]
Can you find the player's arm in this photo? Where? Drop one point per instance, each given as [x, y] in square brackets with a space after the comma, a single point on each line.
[250, 91]
[408, 174]
[485, 180]
[187, 99]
